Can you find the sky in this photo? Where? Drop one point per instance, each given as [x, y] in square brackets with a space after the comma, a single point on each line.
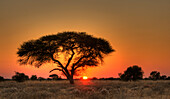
[137, 29]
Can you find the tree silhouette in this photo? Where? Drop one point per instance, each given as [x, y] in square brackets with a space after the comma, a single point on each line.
[163, 77]
[154, 75]
[132, 73]
[78, 49]
[1, 78]
[33, 77]
[20, 77]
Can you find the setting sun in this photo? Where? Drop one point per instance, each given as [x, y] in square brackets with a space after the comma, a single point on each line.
[85, 77]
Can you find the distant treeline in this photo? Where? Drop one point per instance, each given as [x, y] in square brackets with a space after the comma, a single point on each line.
[111, 78]
[132, 73]
[20, 77]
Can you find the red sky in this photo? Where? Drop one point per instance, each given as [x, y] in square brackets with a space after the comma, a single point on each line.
[138, 31]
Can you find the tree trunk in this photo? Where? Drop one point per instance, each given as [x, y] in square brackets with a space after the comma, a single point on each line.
[71, 80]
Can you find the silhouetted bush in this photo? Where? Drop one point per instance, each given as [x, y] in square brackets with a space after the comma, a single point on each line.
[54, 76]
[33, 77]
[49, 79]
[101, 78]
[146, 79]
[168, 78]
[110, 78]
[132, 73]
[59, 78]
[1, 78]
[124, 77]
[41, 78]
[154, 75]
[20, 77]
[94, 78]
[163, 77]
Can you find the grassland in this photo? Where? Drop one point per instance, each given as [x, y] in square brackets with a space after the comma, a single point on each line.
[92, 89]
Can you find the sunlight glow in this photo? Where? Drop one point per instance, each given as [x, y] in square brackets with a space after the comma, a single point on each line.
[85, 77]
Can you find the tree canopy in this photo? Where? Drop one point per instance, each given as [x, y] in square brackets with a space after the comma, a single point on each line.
[78, 49]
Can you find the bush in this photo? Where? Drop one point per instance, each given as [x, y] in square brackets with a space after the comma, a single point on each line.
[49, 79]
[155, 75]
[94, 78]
[20, 77]
[168, 78]
[41, 78]
[163, 77]
[33, 77]
[1, 78]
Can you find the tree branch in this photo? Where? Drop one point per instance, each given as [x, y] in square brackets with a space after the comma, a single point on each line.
[59, 70]
[55, 69]
[52, 57]
[73, 67]
[65, 71]
[70, 58]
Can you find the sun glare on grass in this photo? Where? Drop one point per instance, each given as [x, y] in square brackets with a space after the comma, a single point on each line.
[85, 77]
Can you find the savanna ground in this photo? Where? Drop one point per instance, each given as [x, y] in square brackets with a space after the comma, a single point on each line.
[90, 89]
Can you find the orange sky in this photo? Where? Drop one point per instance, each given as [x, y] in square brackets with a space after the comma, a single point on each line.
[138, 31]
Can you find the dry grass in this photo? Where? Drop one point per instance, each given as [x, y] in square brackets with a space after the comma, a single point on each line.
[85, 90]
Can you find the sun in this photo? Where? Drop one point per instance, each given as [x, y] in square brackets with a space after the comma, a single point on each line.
[85, 77]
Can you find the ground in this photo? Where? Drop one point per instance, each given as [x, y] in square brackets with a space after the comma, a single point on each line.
[88, 89]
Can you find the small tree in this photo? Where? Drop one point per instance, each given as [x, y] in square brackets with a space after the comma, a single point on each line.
[1, 78]
[78, 49]
[154, 75]
[132, 73]
[163, 77]
[20, 77]
[33, 77]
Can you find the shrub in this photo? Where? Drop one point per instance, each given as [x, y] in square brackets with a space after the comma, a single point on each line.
[154, 75]
[20, 77]
[163, 77]
[168, 78]
[33, 77]
[1, 78]
[49, 79]
[41, 78]
[94, 78]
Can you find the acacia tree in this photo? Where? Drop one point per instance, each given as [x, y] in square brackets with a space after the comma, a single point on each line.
[78, 49]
